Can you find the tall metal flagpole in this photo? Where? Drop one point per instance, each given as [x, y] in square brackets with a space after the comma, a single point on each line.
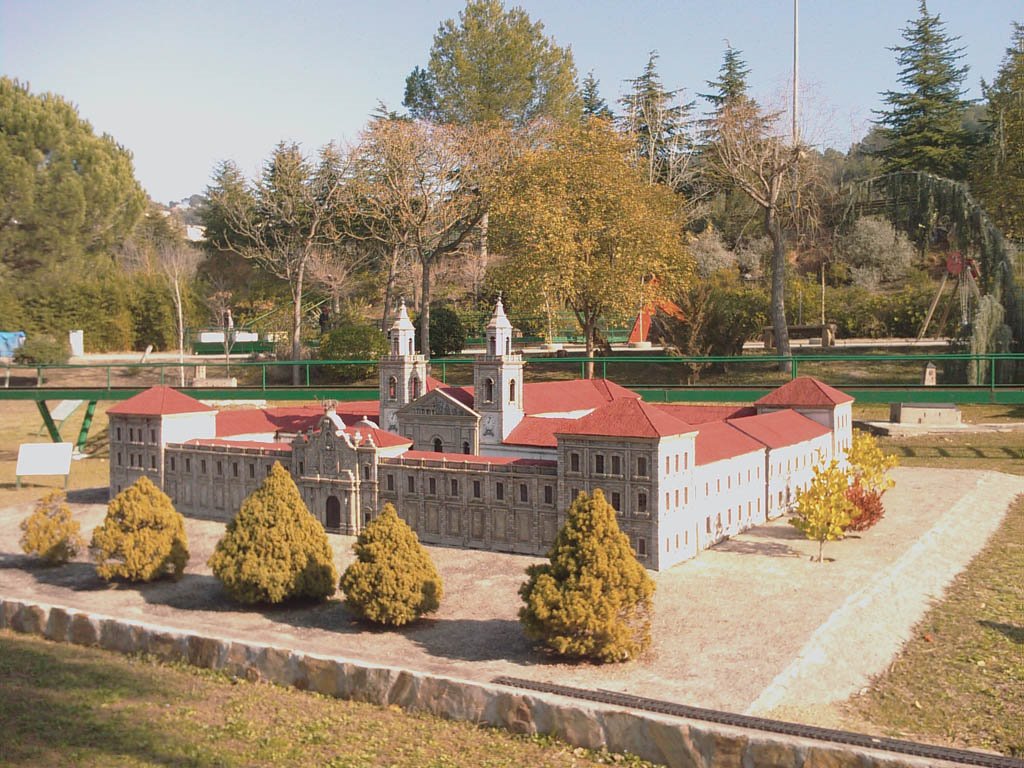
[796, 71]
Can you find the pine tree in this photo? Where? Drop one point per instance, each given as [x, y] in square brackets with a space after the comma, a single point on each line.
[659, 126]
[274, 550]
[922, 124]
[731, 84]
[50, 532]
[392, 580]
[998, 170]
[823, 509]
[142, 538]
[593, 104]
[593, 599]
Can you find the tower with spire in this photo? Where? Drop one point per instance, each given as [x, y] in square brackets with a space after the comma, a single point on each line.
[403, 372]
[498, 381]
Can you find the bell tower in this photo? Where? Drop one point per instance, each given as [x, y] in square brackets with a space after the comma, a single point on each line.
[403, 372]
[498, 381]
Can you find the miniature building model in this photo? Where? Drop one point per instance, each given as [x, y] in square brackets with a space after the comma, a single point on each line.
[496, 465]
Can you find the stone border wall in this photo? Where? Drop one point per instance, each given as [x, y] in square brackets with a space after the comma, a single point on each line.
[676, 742]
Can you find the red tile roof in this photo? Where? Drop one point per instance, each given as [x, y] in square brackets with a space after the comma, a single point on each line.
[780, 428]
[381, 438]
[626, 417]
[159, 401]
[537, 432]
[454, 458]
[248, 421]
[463, 394]
[574, 395]
[806, 392]
[719, 440]
[705, 414]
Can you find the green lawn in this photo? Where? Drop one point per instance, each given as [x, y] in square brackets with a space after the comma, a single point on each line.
[960, 680]
[63, 705]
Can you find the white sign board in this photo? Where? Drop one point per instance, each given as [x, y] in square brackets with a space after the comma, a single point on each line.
[44, 459]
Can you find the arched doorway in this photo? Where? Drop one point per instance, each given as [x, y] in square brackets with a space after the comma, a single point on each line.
[333, 512]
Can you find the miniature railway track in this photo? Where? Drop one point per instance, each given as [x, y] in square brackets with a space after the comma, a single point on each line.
[927, 751]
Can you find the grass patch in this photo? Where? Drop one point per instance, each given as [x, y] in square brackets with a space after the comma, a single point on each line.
[997, 451]
[68, 705]
[960, 680]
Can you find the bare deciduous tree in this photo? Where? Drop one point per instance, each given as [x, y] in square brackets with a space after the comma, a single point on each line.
[179, 263]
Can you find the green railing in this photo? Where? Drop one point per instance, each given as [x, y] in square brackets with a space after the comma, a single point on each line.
[962, 377]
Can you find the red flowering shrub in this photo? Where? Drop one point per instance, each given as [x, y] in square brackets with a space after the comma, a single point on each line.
[868, 503]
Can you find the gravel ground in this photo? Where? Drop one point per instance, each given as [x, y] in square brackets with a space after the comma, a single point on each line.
[751, 625]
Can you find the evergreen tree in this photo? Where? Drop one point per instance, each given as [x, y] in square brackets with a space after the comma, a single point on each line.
[392, 580]
[593, 104]
[66, 194]
[658, 124]
[593, 599]
[50, 532]
[142, 538]
[493, 64]
[274, 549]
[731, 84]
[922, 125]
[998, 171]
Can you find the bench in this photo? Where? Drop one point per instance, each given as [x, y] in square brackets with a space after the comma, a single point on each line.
[826, 332]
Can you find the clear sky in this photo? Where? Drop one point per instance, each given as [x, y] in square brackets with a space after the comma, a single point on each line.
[186, 83]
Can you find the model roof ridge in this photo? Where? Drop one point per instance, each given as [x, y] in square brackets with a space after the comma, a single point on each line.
[805, 391]
[628, 417]
[160, 400]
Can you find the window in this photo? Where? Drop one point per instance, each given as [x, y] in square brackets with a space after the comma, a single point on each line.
[392, 388]
[366, 472]
[616, 465]
[512, 391]
[152, 435]
[118, 433]
[252, 470]
[677, 497]
[172, 461]
[549, 494]
[432, 486]
[686, 463]
[152, 462]
[666, 499]
[574, 462]
[489, 389]
[411, 484]
[499, 491]
[524, 493]
[476, 489]
[677, 541]
[202, 466]
[389, 481]
[686, 495]
[707, 489]
[668, 467]
[220, 468]
[641, 502]
[677, 462]
[616, 501]
[188, 465]
[599, 463]
[302, 468]
[641, 546]
[415, 387]
[438, 445]
[454, 489]
[465, 447]
[641, 466]
[131, 434]
[234, 469]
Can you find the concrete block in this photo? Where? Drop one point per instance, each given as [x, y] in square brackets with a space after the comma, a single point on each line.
[30, 619]
[119, 636]
[58, 624]
[84, 630]
[205, 652]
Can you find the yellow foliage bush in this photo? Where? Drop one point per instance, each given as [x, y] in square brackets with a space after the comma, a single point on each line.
[593, 599]
[393, 580]
[824, 509]
[50, 532]
[274, 549]
[142, 538]
[869, 464]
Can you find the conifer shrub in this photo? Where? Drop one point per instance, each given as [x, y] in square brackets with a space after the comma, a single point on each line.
[50, 532]
[593, 600]
[392, 581]
[274, 550]
[142, 538]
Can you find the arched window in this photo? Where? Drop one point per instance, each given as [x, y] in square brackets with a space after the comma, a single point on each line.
[412, 349]
[512, 391]
[465, 446]
[392, 388]
[489, 391]
[508, 346]
[438, 445]
[490, 345]
[415, 387]
[333, 516]
[394, 346]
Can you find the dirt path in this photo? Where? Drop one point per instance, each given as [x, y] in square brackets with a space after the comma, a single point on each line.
[751, 625]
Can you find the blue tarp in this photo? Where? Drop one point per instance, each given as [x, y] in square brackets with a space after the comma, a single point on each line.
[10, 341]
